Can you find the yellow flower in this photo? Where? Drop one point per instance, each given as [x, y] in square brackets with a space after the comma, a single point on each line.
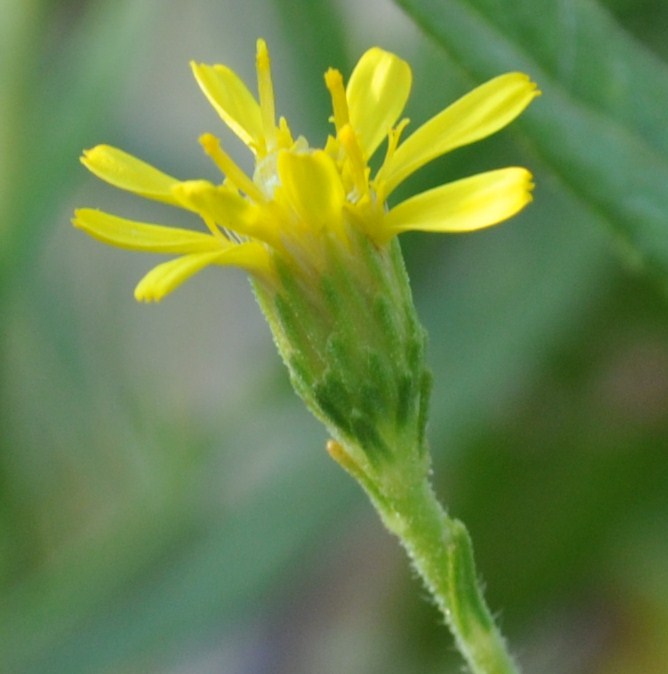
[300, 199]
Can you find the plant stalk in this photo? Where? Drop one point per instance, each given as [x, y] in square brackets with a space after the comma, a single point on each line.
[441, 552]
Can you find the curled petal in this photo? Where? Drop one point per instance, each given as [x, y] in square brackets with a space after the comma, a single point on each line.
[222, 205]
[232, 100]
[478, 114]
[464, 205]
[142, 236]
[311, 185]
[377, 92]
[168, 276]
[126, 172]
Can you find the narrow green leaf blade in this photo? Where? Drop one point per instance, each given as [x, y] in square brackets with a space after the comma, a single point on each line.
[600, 125]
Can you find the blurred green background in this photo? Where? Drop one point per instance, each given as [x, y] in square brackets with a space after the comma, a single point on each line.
[166, 504]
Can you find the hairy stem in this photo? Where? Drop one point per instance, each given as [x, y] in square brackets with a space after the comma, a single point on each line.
[441, 552]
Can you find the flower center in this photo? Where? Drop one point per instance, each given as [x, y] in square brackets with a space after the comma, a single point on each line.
[266, 175]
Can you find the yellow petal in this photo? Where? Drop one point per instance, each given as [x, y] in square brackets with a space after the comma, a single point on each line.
[225, 207]
[142, 236]
[464, 205]
[232, 100]
[265, 90]
[476, 115]
[312, 188]
[168, 276]
[230, 169]
[376, 94]
[126, 172]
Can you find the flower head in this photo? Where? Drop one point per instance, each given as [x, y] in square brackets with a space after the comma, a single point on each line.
[302, 201]
[312, 228]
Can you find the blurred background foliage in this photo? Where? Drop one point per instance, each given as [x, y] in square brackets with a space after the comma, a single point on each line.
[166, 505]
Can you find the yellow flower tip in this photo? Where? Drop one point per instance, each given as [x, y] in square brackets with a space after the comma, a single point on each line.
[332, 76]
[334, 80]
[512, 191]
[199, 71]
[80, 221]
[530, 184]
[508, 191]
[263, 59]
[91, 156]
[266, 95]
[334, 84]
[76, 218]
[149, 292]
[533, 86]
[527, 89]
[152, 287]
[168, 276]
[209, 142]
[523, 178]
[77, 222]
[145, 296]
[83, 217]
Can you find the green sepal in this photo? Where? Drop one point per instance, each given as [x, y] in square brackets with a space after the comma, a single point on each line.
[333, 400]
[350, 337]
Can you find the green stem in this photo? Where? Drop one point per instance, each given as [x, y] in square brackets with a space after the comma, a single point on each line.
[441, 551]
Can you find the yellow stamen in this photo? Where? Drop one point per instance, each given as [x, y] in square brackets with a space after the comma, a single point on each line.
[226, 164]
[266, 94]
[356, 163]
[334, 82]
[393, 138]
[285, 140]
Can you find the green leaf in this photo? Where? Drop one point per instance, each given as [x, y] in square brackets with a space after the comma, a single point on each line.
[600, 125]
